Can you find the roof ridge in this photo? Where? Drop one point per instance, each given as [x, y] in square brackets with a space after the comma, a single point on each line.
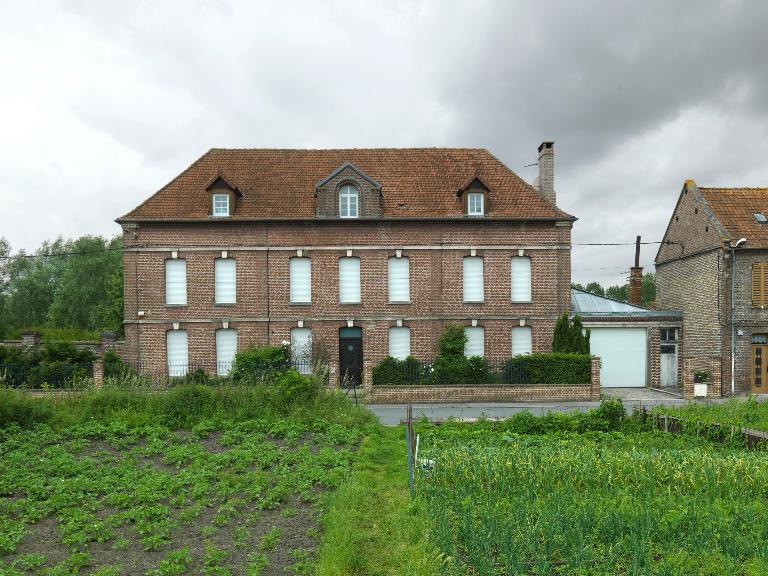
[396, 148]
[755, 188]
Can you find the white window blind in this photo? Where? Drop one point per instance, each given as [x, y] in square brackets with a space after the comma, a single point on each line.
[399, 280]
[473, 279]
[226, 348]
[400, 343]
[301, 349]
[176, 281]
[221, 204]
[349, 280]
[301, 280]
[225, 281]
[176, 351]
[475, 345]
[521, 340]
[475, 204]
[521, 279]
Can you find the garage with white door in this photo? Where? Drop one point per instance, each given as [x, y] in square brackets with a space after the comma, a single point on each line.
[629, 340]
[624, 356]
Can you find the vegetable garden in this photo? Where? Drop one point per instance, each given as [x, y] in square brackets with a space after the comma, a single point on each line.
[588, 494]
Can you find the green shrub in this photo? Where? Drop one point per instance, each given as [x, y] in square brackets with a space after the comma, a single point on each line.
[391, 372]
[548, 368]
[261, 362]
[570, 337]
[291, 388]
[452, 342]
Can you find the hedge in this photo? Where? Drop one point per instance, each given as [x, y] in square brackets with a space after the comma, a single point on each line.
[525, 370]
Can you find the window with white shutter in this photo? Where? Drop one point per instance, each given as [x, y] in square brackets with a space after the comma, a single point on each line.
[301, 349]
[177, 352]
[176, 281]
[473, 279]
[399, 280]
[475, 345]
[521, 340]
[226, 348]
[225, 281]
[400, 342]
[521, 279]
[300, 280]
[349, 280]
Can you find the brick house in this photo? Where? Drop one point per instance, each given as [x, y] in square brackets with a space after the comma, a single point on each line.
[713, 265]
[350, 255]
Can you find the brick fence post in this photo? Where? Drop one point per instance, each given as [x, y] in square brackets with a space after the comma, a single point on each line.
[31, 339]
[594, 386]
[108, 340]
[98, 373]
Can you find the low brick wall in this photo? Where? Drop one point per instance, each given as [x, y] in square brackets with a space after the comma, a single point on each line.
[488, 393]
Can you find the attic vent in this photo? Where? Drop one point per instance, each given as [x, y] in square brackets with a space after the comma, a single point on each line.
[760, 217]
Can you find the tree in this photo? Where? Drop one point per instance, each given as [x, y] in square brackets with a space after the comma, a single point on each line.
[85, 292]
[570, 337]
[595, 288]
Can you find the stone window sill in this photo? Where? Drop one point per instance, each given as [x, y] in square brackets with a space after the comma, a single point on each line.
[224, 304]
[176, 305]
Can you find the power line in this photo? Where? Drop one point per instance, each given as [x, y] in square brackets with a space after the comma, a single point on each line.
[58, 254]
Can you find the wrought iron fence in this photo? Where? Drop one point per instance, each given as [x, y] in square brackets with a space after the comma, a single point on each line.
[46, 375]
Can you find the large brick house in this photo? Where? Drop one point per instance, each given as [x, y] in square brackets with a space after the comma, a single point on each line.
[713, 265]
[352, 255]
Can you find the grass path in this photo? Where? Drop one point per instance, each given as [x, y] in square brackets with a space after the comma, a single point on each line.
[372, 526]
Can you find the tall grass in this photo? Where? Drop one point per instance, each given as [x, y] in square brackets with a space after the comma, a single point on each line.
[748, 412]
[180, 407]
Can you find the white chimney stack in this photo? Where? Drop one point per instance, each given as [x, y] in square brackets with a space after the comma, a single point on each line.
[546, 182]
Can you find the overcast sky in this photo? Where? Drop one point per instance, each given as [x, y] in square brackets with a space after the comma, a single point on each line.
[103, 102]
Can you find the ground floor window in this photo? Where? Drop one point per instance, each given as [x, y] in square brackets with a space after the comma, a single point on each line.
[400, 342]
[226, 348]
[177, 352]
[475, 345]
[301, 349]
[521, 340]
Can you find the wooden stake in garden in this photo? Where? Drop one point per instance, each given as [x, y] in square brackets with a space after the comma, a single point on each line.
[409, 443]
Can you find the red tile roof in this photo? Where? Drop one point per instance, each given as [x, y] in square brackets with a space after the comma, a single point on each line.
[416, 183]
[735, 209]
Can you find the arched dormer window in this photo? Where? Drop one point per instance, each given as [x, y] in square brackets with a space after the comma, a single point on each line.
[349, 200]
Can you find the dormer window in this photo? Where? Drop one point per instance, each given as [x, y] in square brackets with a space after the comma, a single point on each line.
[349, 198]
[475, 204]
[220, 205]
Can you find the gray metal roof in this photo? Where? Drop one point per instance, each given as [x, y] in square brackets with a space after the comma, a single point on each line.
[588, 304]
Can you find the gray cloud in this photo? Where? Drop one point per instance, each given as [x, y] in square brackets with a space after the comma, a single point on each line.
[105, 102]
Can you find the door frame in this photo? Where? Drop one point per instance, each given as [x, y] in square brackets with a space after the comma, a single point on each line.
[343, 342]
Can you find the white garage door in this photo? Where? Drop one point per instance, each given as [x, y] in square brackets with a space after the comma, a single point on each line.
[624, 356]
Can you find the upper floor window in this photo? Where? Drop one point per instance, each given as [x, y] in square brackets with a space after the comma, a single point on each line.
[760, 284]
[225, 281]
[475, 204]
[349, 280]
[349, 199]
[521, 279]
[300, 279]
[221, 204]
[176, 281]
[399, 280]
[473, 279]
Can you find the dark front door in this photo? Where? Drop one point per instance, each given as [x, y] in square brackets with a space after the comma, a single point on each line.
[350, 357]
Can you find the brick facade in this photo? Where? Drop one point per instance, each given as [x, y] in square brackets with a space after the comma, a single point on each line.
[693, 274]
[263, 313]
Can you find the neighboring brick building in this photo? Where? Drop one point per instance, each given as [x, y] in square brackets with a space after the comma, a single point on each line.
[694, 268]
[352, 254]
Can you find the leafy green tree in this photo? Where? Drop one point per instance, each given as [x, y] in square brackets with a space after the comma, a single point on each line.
[84, 293]
[620, 293]
[595, 288]
[570, 337]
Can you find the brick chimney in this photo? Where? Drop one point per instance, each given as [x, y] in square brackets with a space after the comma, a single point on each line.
[636, 278]
[547, 171]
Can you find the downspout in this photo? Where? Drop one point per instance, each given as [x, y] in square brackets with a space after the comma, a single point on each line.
[732, 247]
[733, 321]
